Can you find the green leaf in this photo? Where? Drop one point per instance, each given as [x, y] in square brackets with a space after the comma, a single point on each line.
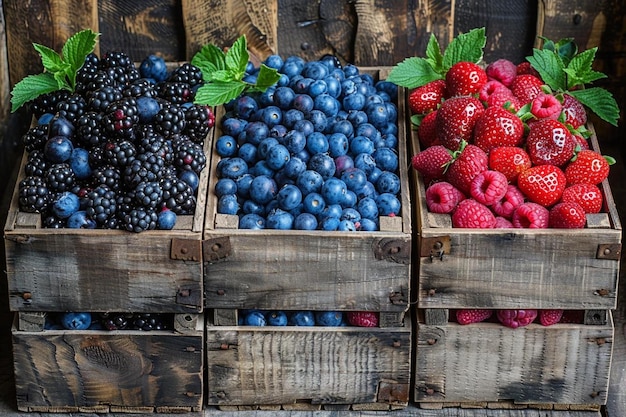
[222, 76]
[76, 49]
[412, 73]
[465, 47]
[237, 57]
[550, 68]
[434, 55]
[209, 59]
[580, 69]
[267, 77]
[600, 102]
[31, 87]
[217, 93]
[51, 60]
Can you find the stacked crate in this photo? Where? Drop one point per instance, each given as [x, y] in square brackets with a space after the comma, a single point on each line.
[82, 270]
[308, 367]
[563, 366]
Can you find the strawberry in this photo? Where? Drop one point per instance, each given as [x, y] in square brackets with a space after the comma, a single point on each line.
[550, 142]
[567, 216]
[574, 111]
[516, 318]
[362, 318]
[505, 207]
[498, 127]
[469, 316]
[428, 97]
[502, 70]
[456, 119]
[542, 184]
[432, 161]
[510, 160]
[550, 317]
[526, 68]
[427, 130]
[503, 98]
[488, 187]
[468, 161]
[588, 196]
[530, 216]
[443, 197]
[588, 167]
[581, 142]
[465, 78]
[526, 87]
[545, 106]
[470, 214]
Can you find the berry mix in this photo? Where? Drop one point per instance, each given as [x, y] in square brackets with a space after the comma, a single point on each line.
[124, 150]
[308, 318]
[109, 321]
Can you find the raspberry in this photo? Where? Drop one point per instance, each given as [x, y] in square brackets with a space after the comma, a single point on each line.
[471, 214]
[505, 207]
[530, 216]
[443, 197]
[502, 70]
[550, 317]
[362, 318]
[503, 223]
[488, 187]
[516, 318]
[490, 88]
[469, 316]
[545, 106]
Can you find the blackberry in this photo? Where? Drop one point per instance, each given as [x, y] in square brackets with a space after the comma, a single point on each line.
[100, 79]
[117, 321]
[111, 59]
[148, 194]
[149, 321]
[120, 153]
[107, 175]
[72, 107]
[53, 222]
[140, 220]
[178, 196]
[60, 177]
[199, 121]
[146, 166]
[34, 195]
[175, 92]
[139, 88]
[35, 138]
[170, 120]
[120, 117]
[188, 74]
[36, 164]
[89, 131]
[99, 99]
[189, 155]
[125, 203]
[97, 158]
[87, 72]
[101, 204]
[153, 142]
[46, 103]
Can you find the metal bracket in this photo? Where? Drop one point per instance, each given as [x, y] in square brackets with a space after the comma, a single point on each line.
[395, 250]
[186, 250]
[392, 392]
[216, 249]
[435, 247]
[612, 251]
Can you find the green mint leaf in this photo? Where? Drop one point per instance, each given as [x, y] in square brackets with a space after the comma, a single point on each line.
[222, 76]
[465, 47]
[434, 55]
[77, 47]
[412, 73]
[237, 57]
[550, 68]
[31, 87]
[600, 102]
[51, 60]
[209, 59]
[580, 71]
[267, 77]
[217, 93]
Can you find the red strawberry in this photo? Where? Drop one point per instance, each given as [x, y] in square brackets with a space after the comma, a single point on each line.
[498, 127]
[526, 68]
[465, 78]
[432, 161]
[588, 167]
[546, 106]
[502, 70]
[516, 318]
[362, 318]
[574, 111]
[443, 197]
[456, 119]
[526, 87]
[530, 216]
[469, 316]
[542, 184]
[470, 214]
[581, 142]
[507, 204]
[469, 161]
[550, 317]
[567, 216]
[488, 187]
[550, 142]
[588, 196]
[427, 130]
[504, 98]
[428, 97]
[509, 160]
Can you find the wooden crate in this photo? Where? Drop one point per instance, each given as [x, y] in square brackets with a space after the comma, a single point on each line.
[310, 270]
[308, 368]
[105, 270]
[563, 366]
[69, 371]
[516, 268]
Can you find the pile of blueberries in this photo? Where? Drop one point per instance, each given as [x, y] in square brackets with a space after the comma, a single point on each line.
[291, 318]
[317, 151]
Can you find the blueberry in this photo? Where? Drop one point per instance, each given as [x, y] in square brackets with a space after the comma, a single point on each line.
[303, 102]
[333, 86]
[302, 318]
[228, 204]
[343, 162]
[323, 164]
[277, 318]
[333, 190]
[45, 118]
[166, 220]
[66, 204]
[355, 101]
[154, 67]
[350, 70]
[226, 146]
[346, 226]
[367, 208]
[252, 207]
[391, 141]
[349, 199]
[264, 147]
[327, 104]
[76, 320]
[377, 114]
[329, 224]
[314, 203]
[245, 106]
[60, 126]
[365, 162]
[305, 221]
[252, 221]
[361, 144]
[58, 149]
[388, 204]
[274, 61]
[374, 174]
[233, 126]
[277, 157]
[291, 117]
[295, 141]
[368, 225]
[317, 87]
[388, 182]
[225, 186]
[294, 167]
[300, 84]
[284, 97]
[343, 126]
[249, 153]
[328, 318]
[319, 120]
[80, 220]
[255, 132]
[262, 168]
[348, 87]
[317, 142]
[148, 107]
[191, 178]
[279, 219]
[79, 162]
[272, 116]
[304, 126]
[350, 214]
[354, 178]
[357, 117]
[263, 189]
[243, 185]
[292, 66]
[254, 318]
[289, 197]
[368, 190]
[331, 210]
[267, 97]
[233, 168]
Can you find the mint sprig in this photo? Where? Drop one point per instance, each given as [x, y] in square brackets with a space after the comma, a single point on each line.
[414, 72]
[224, 73]
[59, 69]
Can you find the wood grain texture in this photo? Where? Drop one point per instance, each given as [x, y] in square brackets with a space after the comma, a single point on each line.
[429, 17]
[563, 363]
[5, 82]
[95, 368]
[248, 366]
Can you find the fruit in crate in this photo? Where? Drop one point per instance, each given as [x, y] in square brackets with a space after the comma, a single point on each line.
[126, 141]
[524, 121]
